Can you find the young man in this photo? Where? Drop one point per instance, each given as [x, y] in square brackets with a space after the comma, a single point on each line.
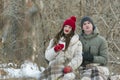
[95, 51]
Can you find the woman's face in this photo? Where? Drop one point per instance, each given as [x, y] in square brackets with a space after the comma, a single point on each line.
[87, 27]
[67, 29]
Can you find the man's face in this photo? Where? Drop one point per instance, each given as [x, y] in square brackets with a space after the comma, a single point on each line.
[87, 27]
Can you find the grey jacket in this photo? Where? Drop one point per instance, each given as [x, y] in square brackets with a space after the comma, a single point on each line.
[97, 45]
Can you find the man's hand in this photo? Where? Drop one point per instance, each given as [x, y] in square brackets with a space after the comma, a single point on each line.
[87, 57]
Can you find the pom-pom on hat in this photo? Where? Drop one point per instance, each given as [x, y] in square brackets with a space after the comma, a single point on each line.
[71, 22]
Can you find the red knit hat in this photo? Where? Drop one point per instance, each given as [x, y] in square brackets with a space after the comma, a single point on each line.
[71, 22]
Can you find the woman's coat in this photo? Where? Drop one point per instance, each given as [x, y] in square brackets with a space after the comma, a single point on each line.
[71, 57]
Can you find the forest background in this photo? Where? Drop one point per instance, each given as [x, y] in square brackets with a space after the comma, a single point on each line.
[26, 27]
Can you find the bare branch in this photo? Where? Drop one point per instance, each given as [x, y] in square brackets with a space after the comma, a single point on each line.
[116, 46]
[101, 18]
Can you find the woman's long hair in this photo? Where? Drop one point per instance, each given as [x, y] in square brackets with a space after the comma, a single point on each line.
[67, 38]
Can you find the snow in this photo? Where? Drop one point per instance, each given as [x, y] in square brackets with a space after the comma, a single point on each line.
[27, 70]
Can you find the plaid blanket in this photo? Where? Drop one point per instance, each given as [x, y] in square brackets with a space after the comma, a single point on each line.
[94, 73]
[52, 73]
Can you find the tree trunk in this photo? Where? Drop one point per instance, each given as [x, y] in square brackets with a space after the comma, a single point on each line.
[13, 29]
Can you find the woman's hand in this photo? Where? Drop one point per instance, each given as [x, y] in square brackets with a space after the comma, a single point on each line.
[67, 69]
[58, 47]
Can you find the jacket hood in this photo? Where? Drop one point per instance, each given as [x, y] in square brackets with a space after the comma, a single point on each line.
[94, 33]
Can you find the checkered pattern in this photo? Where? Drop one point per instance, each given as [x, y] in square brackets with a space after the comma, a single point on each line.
[93, 73]
[52, 73]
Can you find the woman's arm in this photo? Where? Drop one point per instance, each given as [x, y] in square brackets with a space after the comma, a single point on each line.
[50, 52]
[77, 59]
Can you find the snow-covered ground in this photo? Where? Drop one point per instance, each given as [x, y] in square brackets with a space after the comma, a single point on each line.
[27, 70]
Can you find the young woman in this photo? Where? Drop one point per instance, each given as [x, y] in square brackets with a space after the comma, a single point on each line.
[64, 53]
[95, 51]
